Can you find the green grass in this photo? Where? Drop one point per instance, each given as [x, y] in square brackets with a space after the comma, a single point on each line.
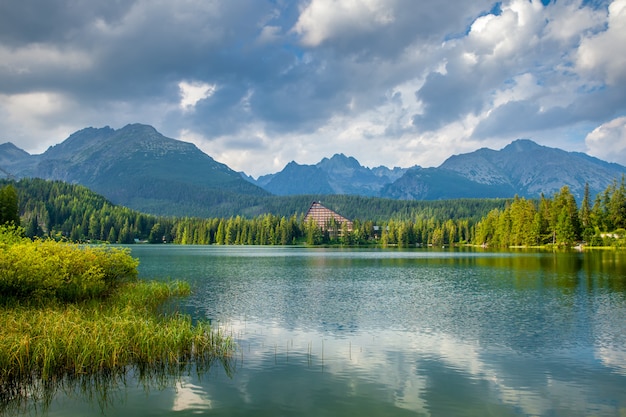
[113, 324]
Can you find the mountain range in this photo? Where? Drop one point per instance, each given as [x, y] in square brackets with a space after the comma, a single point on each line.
[137, 167]
[337, 175]
[523, 167]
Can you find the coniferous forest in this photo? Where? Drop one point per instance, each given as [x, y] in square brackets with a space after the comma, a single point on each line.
[64, 211]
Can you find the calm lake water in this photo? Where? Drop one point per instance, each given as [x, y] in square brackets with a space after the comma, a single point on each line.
[348, 332]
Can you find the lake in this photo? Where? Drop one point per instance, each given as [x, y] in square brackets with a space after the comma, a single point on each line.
[421, 332]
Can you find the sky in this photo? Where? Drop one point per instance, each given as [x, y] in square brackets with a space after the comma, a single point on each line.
[256, 84]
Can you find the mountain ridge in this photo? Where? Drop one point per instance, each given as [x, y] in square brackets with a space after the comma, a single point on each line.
[523, 168]
[531, 169]
[138, 167]
[339, 174]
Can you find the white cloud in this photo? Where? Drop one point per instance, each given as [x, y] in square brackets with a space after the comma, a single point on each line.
[322, 20]
[571, 21]
[501, 37]
[192, 92]
[608, 141]
[269, 34]
[605, 53]
[30, 119]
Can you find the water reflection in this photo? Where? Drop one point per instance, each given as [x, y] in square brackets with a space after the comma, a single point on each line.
[427, 373]
[373, 332]
[104, 391]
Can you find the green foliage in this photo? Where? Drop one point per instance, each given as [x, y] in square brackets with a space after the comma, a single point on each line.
[558, 220]
[70, 311]
[95, 338]
[10, 234]
[9, 210]
[40, 270]
[68, 212]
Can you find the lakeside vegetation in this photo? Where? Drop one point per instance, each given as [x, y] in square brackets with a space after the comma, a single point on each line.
[71, 314]
[69, 212]
[558, 221]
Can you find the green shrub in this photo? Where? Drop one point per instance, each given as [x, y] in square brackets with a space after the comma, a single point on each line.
[10, 235]
[42, 269]
[76, 342]
[70, 312]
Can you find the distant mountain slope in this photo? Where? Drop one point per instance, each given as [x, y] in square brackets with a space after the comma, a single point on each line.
[337, 175]
[522, 167]
[529, 169]
[297, 179]
[440, 184]
[139, 168]
[14, 159]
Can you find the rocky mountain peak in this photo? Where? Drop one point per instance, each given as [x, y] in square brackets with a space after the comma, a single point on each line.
[522, 145]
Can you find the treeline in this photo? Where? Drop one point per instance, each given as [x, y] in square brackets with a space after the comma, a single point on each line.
[70, 212]
[558, 220]
[64, 211]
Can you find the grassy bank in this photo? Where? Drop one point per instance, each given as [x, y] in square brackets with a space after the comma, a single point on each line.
[68, 312]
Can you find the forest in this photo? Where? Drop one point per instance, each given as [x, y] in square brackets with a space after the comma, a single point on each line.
[74, 213]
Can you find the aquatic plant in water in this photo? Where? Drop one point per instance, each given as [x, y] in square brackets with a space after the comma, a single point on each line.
[77, 316]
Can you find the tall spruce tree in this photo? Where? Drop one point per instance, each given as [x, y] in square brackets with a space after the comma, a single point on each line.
[585, 216]
[9, 208]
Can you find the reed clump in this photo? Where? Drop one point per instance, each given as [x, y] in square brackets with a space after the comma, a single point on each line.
[68, 311]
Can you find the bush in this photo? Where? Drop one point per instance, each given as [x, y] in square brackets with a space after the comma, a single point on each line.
[72, 314]
[10, 235]
[67, 272]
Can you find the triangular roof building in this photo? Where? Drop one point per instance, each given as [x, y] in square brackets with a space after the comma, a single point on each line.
[322, 216]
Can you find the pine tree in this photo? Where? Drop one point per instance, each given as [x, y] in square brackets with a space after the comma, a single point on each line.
[220, 236]
[32, 228]
[585, 216]
[565, 230]
[9, 208]
[617, 205]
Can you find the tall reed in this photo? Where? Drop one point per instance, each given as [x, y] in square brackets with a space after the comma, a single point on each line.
[72, 313]
[60, 341]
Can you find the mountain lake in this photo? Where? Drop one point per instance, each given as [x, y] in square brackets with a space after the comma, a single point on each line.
[386, 332]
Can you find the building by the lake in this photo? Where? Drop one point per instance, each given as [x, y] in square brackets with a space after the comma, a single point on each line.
[326, 219]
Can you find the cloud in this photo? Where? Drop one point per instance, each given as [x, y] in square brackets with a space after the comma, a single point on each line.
[517, 73]
[381, 29]
[604, 54]
[323, 20]
[270, 34]
[608, 141]
[476, 66]
[394, 82]
[192, 92]
[39, 112]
